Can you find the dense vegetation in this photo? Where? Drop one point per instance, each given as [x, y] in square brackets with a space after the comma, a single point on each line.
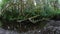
[13, 12]
[19, 10]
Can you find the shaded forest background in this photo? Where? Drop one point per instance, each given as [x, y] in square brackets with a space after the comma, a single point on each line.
[12, 11]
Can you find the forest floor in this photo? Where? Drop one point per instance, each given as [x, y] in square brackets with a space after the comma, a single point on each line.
[52, 27]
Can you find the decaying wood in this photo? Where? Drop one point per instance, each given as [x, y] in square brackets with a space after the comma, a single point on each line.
[31, 19]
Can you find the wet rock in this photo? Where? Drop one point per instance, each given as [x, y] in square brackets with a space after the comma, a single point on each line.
[2, 31]
[52, 27]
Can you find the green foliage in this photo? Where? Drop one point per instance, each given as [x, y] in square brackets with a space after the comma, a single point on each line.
[11, 13]
[29, 11]
[3, 3]
[48, 12]
[14, 14]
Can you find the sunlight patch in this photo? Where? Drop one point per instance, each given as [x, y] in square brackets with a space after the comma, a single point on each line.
[0, 0]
